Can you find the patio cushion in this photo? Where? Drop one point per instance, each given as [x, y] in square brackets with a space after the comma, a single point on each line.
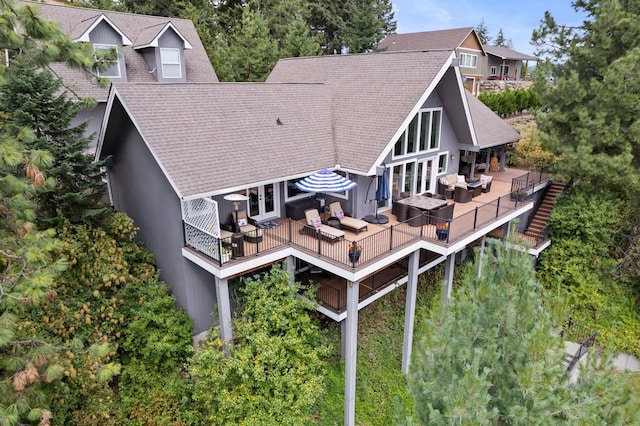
[339, 214]
[316, 222]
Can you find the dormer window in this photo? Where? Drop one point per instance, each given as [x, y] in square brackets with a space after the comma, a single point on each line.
[171, 66]
[109, 50]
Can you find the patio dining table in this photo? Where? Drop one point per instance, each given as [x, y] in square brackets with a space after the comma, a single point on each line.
[423, 203]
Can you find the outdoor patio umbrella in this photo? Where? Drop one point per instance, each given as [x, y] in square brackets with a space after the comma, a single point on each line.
[382, 193]
[325, 181]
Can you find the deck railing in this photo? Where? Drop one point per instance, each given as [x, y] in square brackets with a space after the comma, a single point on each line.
[529, 180]
[373, 246]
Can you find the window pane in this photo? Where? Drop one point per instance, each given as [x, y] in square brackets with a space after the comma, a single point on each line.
[110, 50]
[170, 59]
[409, 177]
[419, 183]
[425, 125]
[435, 129]
[442, 163]
[413, 134]
[396, 180]
[399, 147]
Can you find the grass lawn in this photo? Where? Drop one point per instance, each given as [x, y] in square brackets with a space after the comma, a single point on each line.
[381, 392]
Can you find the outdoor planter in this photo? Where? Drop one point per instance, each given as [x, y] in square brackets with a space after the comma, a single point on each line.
[225, 255]
[442, 231]
[354, 252]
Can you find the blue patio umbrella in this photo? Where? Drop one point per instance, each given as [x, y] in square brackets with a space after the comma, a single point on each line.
[325, 181]
[382, 193]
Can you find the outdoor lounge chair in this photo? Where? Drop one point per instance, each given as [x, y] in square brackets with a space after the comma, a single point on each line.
[243, 224]
[353, 224]
[315, 226]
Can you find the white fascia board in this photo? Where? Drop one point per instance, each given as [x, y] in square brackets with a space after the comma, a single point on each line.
[85, 36]
[154, 42]
[112, 96]
[434, 83]
[465, 104]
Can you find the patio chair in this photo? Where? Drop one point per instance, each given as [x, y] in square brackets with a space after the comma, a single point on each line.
[315, 226]
[462, 195]
[416, 217]
[485, 180]
[246, 226]
[402, 212]
[442, 214]
[353, 224]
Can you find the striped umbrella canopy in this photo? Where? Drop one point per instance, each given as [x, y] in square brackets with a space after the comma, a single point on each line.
[325, 181]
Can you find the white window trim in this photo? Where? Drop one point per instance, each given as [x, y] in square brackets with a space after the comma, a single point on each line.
[473, 59]
[163, 62]
[446, 163]
[116, 62]
[405, 134]
[493, 70]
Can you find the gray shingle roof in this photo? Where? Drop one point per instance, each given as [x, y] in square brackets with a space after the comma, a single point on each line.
[490, 129]
[441, 39]
[506, 53]
[74, 21]
[209, 137]
[371, 95]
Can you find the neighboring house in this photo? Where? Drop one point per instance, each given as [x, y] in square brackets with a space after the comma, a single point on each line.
[477, 62]
[468, 47]
[150, 49]
[506, 64]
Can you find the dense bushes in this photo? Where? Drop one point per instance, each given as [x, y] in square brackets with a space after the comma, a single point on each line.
[110, 294]
[274, 372]
[580, 272]
[510, 101]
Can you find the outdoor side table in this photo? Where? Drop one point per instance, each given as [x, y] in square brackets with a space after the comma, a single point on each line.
[237, 245]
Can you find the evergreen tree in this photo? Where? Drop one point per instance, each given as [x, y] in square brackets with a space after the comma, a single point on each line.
[369, 22]
[495, 358]
[29, 258]
[502, 41]
[483, 33]
[298, 41]
[590, 114]
[34, 100]
[248, 54]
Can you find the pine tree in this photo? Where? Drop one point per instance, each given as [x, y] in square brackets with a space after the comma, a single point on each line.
[502, 41]
[495, 358]
[369, 22]
[483, 33]
[29, 258]
[34, 100]
[590, 113]
[248, 54]
[298, 41]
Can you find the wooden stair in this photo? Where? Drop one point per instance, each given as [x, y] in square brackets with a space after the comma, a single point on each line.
[541, 216]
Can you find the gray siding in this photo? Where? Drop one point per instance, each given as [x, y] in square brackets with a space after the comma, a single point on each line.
[140, 189]
[94, 117]
[104, 34]
[170, 40]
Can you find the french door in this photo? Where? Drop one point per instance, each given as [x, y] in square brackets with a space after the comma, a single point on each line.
[264, 202]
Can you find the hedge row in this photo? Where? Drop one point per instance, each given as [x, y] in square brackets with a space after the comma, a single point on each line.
[510, 101]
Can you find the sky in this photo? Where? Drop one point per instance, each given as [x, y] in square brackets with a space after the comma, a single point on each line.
[517, 18]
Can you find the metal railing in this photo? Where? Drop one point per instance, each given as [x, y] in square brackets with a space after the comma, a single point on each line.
[336, 249]
[578, 332]
[529, 180]
[535, 239]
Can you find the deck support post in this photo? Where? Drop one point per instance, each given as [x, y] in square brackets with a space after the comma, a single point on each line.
[507, 232]
[448, 279]
[224, 312]
[351, 348]
[410, 310]
[290, 265]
